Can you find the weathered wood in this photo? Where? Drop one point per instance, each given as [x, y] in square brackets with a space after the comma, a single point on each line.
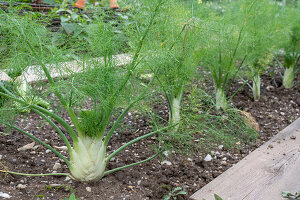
[34, 73]
[263, 174]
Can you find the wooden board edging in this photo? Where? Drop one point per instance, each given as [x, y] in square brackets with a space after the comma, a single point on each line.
[33, 74]
[263, 174]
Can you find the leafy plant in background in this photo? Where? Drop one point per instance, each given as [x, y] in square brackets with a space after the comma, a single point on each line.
[16, 56]
[72, 34]
[99, 85]
[174, 193]
[71, 21]
[291, 48]
[171, 55]
[263, 31]
[219, 50]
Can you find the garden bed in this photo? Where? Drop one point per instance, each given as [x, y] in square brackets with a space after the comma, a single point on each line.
[276, 109]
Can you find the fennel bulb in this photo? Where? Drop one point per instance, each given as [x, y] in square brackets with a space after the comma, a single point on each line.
[256, 87]
[88, 159]
[220, 99]
[174, 104]
[288, 78]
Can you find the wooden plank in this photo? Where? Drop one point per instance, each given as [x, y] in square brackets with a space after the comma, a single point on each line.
[263, 174]
[34, 73]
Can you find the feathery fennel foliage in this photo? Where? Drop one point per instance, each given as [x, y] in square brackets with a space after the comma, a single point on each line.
[170, 53]
[263, 32]
[99, 84]
[220, 42]
[291, 46]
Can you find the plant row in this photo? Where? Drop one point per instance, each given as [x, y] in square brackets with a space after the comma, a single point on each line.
[169, 43]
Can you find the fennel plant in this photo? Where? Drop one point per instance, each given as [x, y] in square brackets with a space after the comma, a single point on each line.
[99, 84]
[292, 48]
[263, 31]
[16, 56]
[172, 56]
[219, 51]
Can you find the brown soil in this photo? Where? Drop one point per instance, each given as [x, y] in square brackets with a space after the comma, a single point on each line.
[277, 109]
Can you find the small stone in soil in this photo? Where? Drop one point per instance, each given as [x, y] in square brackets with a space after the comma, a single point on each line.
[48, 151]
[36, 147]
[293, 137]
[26, 147]
[1, 157]
[220, 147]
[224, 163]
[270, 146]
[270, 88]
[64, 148]
[21, 186]
[57, 166]
[55, 185]
[5, 195]
[112, 159]
[166, 162]
[208, 158]
[88, 189]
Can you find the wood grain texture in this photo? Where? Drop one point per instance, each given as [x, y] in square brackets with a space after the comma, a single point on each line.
[263, 174]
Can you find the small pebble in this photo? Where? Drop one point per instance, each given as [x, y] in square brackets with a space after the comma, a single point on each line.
[189, 159]
[55, 185]
[48, 151]
[26, 147]
[21, 186]
[166, 162]
[112, 159]
[36, 147]
[139, 182]
[220, 147]
[270, 146]
[63, 148]
[5, 195]
[1, 157]
[224, 163]
[88, 189]
[67, 178]
[57, 166]
[270, 88]
[293, 137]
[208, 158]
